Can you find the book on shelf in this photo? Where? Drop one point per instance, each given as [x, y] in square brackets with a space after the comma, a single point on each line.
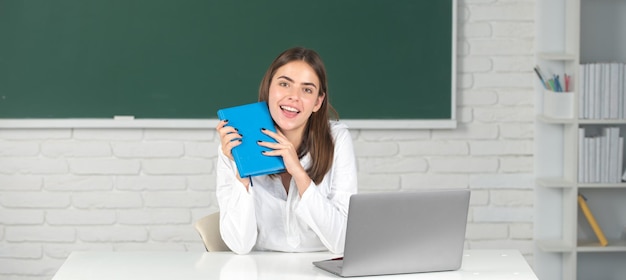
[581, 155]
[601, 90]
[603, 112]
[582, 202]
[610, 89]
[582, 75]
[606, 155]
[597, 143]
[620, 162]
[600, 155]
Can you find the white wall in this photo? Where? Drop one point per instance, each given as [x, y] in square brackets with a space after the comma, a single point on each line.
[141, 189]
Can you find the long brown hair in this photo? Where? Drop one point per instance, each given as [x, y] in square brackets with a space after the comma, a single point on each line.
[317, 139]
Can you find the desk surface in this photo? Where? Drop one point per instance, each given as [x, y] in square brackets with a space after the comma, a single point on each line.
[477, 264]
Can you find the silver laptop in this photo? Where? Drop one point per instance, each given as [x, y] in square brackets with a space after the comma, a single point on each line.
[403, 232]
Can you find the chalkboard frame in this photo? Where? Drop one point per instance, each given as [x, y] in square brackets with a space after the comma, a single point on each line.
[130, 121]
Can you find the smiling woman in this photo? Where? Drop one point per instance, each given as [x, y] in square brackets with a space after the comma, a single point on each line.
[304, 208]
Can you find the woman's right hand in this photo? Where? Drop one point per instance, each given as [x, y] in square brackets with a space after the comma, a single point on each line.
[229, 137]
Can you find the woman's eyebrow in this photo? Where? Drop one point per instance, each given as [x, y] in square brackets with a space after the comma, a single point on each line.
[291, 80]
[310, 84]
[286, 78]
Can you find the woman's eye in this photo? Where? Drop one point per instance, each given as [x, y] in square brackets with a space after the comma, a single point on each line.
[308, 90]
[282, 84]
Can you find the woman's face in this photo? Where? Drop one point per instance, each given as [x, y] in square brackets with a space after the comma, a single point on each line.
[294, 96]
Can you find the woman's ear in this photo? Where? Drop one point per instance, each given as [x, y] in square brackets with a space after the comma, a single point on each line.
[318, 102]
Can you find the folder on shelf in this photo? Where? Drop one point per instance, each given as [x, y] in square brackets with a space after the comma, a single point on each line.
[592, 221]
[249, 119]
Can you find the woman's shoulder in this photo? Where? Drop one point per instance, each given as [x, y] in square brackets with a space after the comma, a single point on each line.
[338, 129]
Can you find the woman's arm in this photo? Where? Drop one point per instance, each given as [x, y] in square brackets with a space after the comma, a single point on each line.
[238, 225]
[327, 214]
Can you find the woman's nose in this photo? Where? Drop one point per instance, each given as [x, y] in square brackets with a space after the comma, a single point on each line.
[292, 93]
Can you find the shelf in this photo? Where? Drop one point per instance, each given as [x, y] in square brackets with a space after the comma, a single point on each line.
[560, 246]
[554, 246]
[601, 185]
[546, 119]
[557, 56]
[601, 121]
[567, 38]
[594, 246]
[553, 182]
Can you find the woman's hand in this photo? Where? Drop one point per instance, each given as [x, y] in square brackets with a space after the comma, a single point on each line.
[230, 138]
[285, 149]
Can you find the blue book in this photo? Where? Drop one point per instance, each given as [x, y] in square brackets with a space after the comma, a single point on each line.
[249, 119]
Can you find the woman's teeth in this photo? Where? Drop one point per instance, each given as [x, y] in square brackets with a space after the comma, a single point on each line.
[290, 109]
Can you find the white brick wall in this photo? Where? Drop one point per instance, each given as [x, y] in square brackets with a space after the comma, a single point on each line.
[63, 190]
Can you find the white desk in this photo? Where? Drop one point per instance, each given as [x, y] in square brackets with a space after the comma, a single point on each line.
[477, 264]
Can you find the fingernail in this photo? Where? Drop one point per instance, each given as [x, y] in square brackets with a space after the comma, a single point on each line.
[225, 120]
[259, 141]
[263, 128]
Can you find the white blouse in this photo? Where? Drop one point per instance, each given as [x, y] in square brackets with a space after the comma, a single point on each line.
[268, 218]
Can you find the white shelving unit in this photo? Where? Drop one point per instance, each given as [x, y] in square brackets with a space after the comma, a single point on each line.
[571, 32]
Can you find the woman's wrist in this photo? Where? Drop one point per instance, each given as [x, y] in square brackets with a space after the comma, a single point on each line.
[244, 181]
[302, 181]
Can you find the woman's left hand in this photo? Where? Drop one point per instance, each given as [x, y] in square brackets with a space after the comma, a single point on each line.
[285, 149]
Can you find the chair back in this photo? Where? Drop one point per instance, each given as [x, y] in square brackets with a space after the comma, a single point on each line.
[209, 229]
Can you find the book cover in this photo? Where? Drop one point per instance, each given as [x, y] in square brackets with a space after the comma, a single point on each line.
[613, 90]
[587, 162]
[604, 92]
[249, 119]
[620, 161]
[592, 221]
[623, 77]
[581, 155]
[582, 93]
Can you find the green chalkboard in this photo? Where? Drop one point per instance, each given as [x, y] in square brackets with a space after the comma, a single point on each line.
[181, 59]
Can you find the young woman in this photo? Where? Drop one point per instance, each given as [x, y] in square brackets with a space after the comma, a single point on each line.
[305, 208]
